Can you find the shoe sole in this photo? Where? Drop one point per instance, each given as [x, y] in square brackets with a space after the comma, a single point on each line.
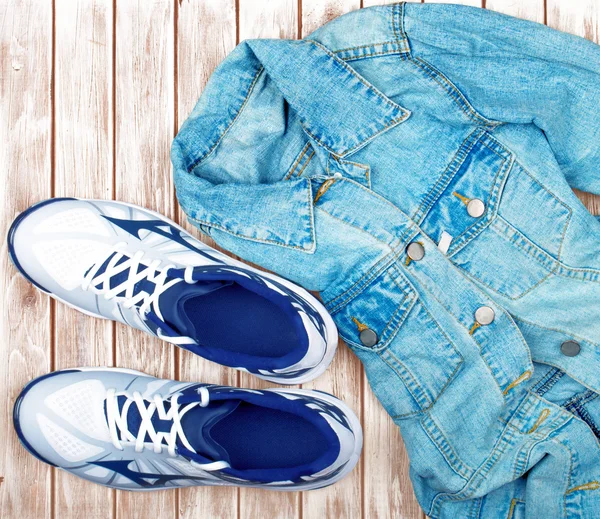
[332, 333]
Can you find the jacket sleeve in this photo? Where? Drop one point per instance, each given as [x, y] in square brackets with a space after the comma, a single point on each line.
[515, 71]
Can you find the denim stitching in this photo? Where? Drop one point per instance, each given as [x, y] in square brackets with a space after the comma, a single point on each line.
[406, 383]
[368, 85]
[546, 383]
[442, 389]
[569, 210]
[343, 153]
[248, 94]
[592, 485]
[504, 440]
[471, 232]
[513, 505]
[364, 280]
[403, 309]
[479, 345]
[438, 438]
[559, 330]
[297, 161]
[368, 45]
[266, 240]
[452, 90]
[306, 163]
[449, 173]
[390, 52]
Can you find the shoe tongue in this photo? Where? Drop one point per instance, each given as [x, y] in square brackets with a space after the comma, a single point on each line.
[196, 424]
[171, 303]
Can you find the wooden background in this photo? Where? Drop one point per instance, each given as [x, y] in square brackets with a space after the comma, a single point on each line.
[91, 94]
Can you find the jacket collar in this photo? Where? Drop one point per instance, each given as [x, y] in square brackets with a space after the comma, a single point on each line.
[337, 107]
[226, 190]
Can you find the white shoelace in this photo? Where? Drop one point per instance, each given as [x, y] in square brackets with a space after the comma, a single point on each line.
[100, 283]
[117, 423]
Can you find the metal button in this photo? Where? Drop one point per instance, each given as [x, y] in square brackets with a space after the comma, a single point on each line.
[415, 251]
[475, 208]
[368, 337]
[570, 348]
[485, 315]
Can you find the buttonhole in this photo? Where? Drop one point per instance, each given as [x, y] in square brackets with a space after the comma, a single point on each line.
[525, 376]
[323, 189]
[361, 327]
[541, 419]
[462, 198]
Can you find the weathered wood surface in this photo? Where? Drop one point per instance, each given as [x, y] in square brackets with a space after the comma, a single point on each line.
[91, 95]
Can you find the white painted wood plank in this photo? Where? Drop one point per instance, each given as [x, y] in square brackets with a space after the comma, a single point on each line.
[472, 3]
[344, 376]
[527, 9]
[25, 331]
[144, 129]
[385, 486]
[206, 33]
[267, 19]
[316, 13]
[83, 157]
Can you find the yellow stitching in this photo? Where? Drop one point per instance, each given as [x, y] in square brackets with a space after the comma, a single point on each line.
[297, 161]
[201, 159]
[525, 376]
[541, 419]
[323, 189]
[462, 198]
[474, 327]
[592, 485]
[407, 262]
[511, 510]
[361, 327]
[306, 163]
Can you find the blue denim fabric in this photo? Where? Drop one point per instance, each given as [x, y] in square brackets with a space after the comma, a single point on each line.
[323, 159]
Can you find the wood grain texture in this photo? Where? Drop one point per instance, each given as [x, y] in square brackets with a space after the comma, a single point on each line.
[84, 168]
[528, 9]
[89, 102]
[267, 19]
[386, 488]
[206, 33]
[144, 124]
[25, 157]
[344, 377]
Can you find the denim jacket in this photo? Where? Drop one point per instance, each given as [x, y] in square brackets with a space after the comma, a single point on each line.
[414, 164]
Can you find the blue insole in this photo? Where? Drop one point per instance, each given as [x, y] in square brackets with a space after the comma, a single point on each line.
[262, 438]
[236, 319]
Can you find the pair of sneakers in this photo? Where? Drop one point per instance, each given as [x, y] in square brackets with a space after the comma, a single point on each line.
[128, 430]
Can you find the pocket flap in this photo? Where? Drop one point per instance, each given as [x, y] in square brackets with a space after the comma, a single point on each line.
[370, 317]
[408, 359]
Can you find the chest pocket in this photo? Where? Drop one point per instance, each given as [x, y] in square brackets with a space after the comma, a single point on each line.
[409, 361]
[507, 228]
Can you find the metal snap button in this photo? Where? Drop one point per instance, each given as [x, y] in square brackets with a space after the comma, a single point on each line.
[368, 337]
[475, 208]
[415, 251]
[570, 348]
[485, 315]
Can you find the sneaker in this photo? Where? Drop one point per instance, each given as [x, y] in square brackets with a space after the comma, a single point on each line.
[122, 262]
[127, 430]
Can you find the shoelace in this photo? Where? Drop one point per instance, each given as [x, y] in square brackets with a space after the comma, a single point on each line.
[117, 423]
[153, 272]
